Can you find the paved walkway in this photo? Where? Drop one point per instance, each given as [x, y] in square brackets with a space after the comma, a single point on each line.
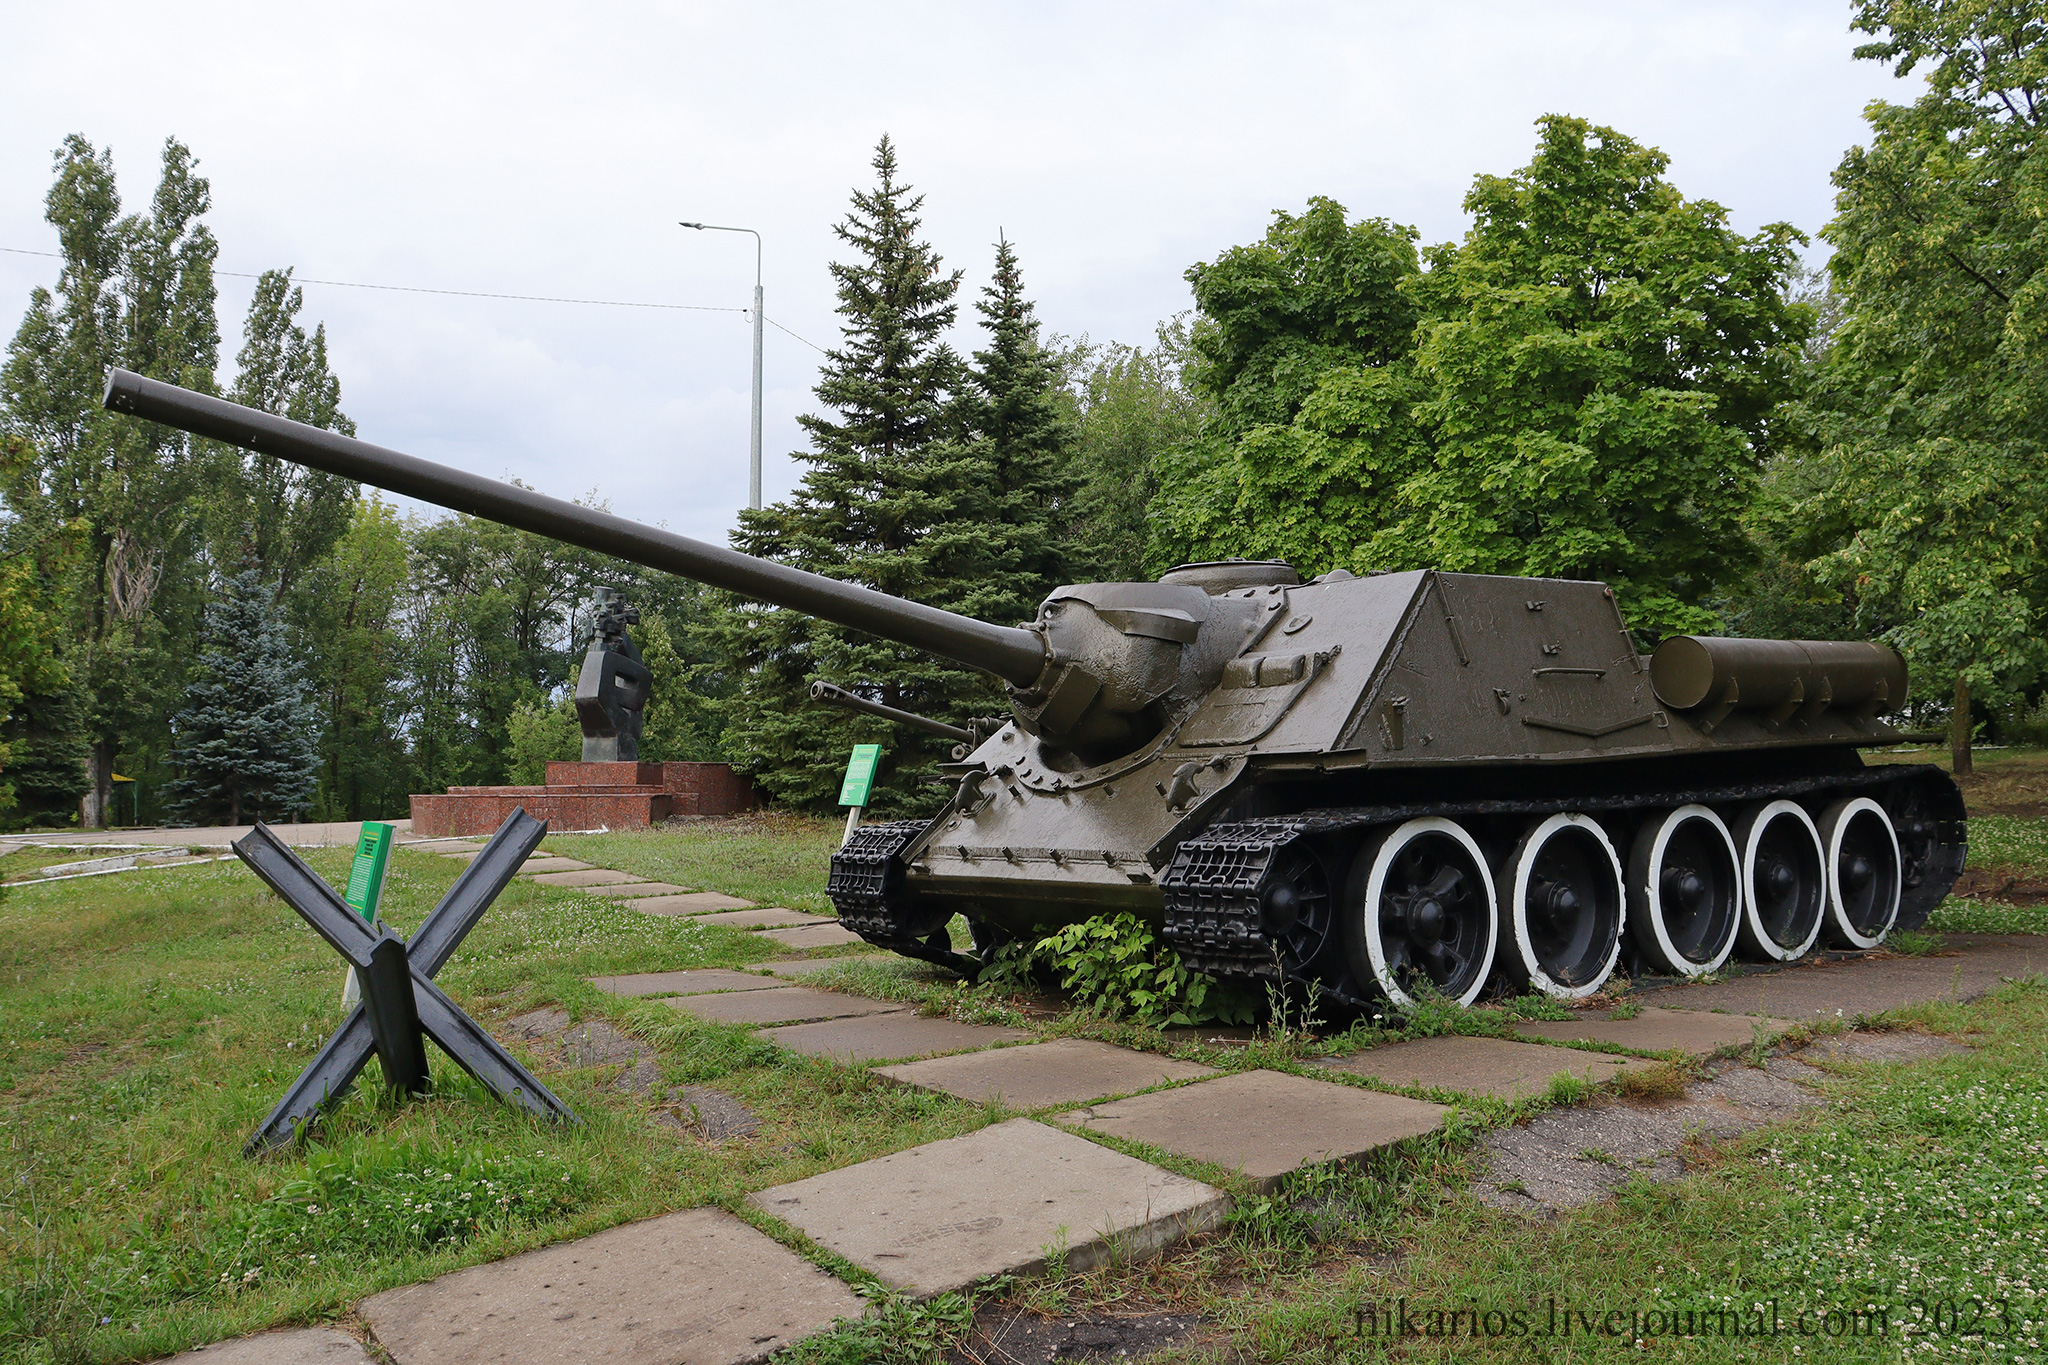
[1075, 1175]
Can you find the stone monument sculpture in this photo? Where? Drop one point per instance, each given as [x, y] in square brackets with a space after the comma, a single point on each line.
[613, 688]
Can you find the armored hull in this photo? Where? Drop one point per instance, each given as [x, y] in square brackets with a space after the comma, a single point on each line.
[1373, 788]
[1461, 778]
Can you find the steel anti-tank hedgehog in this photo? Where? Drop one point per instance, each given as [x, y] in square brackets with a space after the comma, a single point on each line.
[1364, 783]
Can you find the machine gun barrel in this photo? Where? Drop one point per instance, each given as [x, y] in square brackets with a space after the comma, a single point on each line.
[1017, 656]
[839, 696]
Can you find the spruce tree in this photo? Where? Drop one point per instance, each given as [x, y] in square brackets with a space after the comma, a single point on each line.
[1018, 412]
[896, 497]
[247, 742]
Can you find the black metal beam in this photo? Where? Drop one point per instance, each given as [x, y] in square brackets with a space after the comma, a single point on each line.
[400, 1001]
[1006, 651]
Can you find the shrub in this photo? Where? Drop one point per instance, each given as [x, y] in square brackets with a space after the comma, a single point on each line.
[1120, 966]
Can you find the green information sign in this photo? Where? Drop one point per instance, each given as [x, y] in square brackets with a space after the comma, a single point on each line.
[366, 874]
[860, 775]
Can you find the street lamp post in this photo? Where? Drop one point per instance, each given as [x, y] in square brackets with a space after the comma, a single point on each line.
[754, 447]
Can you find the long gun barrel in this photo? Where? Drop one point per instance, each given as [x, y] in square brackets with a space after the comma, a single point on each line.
[835, 695]
[1018, 656]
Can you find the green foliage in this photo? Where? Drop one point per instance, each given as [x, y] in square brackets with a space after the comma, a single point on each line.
[930, 479]
[896, 1330]
[348, 610]
[280, 516]
[1924, 499]
[538, 733]
[134, 290]
[1303, 347]
[1585, 387]
[1132, 408]
[1119, 965]
[40, 716]
[45, 763]
[493, 618]
[1604, 359]
[1014, 406]
[248, 735]
[368, 1201]
[685, 720]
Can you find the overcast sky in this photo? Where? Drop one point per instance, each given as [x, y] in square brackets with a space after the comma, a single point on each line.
[549, 149]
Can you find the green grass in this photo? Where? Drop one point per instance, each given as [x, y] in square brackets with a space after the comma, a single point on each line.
[2008, 841]
[770, 859]
[25, 861]
[149, 1020]
[1920, 1183]
[1958, 916]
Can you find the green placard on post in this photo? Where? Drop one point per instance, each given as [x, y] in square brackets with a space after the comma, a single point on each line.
[860, 775]
[366, 874]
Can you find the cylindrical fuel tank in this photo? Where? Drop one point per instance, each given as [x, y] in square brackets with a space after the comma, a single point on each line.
[1764, 675]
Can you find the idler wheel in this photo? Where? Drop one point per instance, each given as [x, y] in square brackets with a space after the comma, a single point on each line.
[1419, 906]
[1562, 908]
[1863, 873]
[1684, 892]
[1294, 907]
[1784, 890]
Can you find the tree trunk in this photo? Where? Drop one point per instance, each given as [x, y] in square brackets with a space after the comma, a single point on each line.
[99, 790]
[1959, 727]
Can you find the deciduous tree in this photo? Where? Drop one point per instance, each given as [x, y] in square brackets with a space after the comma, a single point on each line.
[135, 291]
[1935, 396]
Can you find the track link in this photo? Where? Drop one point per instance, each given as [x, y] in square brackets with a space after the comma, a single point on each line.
[867, 889]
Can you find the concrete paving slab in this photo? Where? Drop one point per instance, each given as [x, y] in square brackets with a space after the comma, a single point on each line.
[1262, 1124]
[780, 1005]
[1481, 1066]
[1063, 1071]
[294, 1346]
[772, 917]
[1660, 1030]
[539, 862]
[637, 890]
[689, 903]
[813, 936]
[694, 982]
[889, 1037]
[811, 966]
[670, 907]
[548, 862]
[589, 876]
[937, 1218]
[1970, 965]
[699, 1287]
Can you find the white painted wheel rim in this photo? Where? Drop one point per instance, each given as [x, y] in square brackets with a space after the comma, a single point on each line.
[1518, 914]
[1838, 821]
[1383, 859]
[1654, 897]
[1752, 913]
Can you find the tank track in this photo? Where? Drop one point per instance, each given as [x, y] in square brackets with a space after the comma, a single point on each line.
[1216, 884]
[866, 887]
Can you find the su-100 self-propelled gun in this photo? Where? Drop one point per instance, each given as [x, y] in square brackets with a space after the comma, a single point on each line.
[1379, 785]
